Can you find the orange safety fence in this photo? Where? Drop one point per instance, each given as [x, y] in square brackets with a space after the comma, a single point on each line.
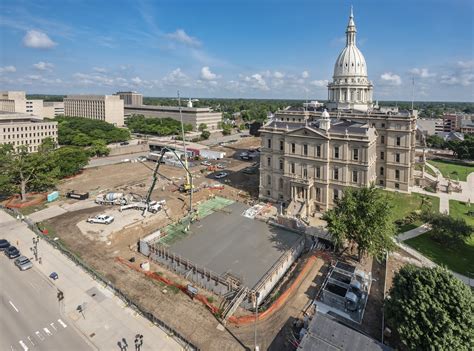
[241, 320]
[39, 199]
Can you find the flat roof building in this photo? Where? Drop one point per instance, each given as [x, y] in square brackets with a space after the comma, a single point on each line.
[191, 115]
[23, 129]
[53, 109]
[108, 108]
[15, 101]
[131, 98]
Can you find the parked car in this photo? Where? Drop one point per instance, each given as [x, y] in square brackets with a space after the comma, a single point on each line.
[220, 166]
[23, 263]
[221, 175]
[4, 244]
[101, 219]
[12, 252]
[206, 163]
[142, 158]
[124, 143]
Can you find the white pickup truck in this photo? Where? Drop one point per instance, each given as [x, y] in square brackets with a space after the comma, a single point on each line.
[101, 219]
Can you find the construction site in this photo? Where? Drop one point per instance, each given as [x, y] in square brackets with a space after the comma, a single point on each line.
[197, 251]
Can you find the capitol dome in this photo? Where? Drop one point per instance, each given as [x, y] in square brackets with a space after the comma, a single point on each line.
[350, 88]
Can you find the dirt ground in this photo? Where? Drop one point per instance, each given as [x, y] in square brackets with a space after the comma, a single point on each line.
[191, 318]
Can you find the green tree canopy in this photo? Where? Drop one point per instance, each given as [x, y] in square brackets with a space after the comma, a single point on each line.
[155, 126]
[363, 217]
[202, 127]
[70, 160]
[431, 310]
[448, 230]
[205, 134]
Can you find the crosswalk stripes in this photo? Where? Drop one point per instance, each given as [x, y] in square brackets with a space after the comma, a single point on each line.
[41, 335]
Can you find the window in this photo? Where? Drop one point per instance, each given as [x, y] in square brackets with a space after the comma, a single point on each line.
[318, 172]
[381, 182]
[282, 145]
[397, 186]
[356, 154]
[269, 161]
[268, 193]
[269, 143]
[336, 194]
[398, 141]
[336, 151]
[383, 125]
[397, 157]
[318, 194]
[292, 168]
[280, 184]
[305, 172]
[293, 148]
[381, 171]
[382, 139]
[318, 151]
[269, 180]
[382, 155]
[354, 176]
[397, 174]
[336, 173]
[305, 149]
[281, 164]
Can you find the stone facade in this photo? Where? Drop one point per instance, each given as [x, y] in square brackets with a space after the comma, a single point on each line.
[108, 108]
[131, 98]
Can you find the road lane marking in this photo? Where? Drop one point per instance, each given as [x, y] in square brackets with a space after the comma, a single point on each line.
[11, 303]
[46, 330]
[52, 325]
[32, 343]
[23, 345]
[38, 334]
[34, 286]
[62, 323]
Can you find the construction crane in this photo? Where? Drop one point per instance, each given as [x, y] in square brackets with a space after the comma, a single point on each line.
[155, 178]
[187, 186]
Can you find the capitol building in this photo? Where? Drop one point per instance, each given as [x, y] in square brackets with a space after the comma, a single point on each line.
[308, 157]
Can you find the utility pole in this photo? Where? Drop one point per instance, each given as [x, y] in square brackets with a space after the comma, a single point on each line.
[257, 294]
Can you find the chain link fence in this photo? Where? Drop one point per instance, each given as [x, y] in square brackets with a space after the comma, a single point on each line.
[186, 344]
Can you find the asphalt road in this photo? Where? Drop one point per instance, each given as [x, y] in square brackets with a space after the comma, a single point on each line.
[30, 315]
[104, 161]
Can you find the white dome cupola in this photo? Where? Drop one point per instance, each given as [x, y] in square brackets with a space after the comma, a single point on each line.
[350, 88]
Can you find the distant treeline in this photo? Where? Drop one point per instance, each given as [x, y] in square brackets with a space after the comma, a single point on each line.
[155, 126]
[54, 98]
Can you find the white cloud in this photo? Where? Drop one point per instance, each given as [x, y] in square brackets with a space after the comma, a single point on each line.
[99, 69]
[461, 74]
[177, 77]
[305, 74]
[7, 69]
[466, 64]
[319, 83]
[38, 40]
[182, 37]
[258, 81]
[422, 72]
[43, 66]
[278, 75]
[391, 78]
[206, 74]
[136, 80]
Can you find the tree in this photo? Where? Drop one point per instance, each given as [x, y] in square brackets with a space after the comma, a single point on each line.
[205, 134]
[98, 148]
[435, 141]
[447, 230]
[363, 217]
[202, 127]
[226, 129]
[27, 171]
[70, 160]
[431, 309]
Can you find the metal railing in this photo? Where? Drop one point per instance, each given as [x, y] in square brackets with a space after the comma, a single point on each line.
[185, 343]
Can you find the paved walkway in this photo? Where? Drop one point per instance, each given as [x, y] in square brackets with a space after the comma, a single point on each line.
[59, 209]
[105, 320]
[414, 232]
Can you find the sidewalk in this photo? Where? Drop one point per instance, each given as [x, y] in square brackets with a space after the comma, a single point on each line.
[105, 319]
[414, 232]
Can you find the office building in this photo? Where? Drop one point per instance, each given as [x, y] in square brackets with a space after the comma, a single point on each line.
[15, 101]
[23, 129]
[131, 98]
[108, 108]
[191, 115]
[53, 109]
[309, 157]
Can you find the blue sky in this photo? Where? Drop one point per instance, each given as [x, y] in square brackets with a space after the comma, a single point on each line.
[227, 48]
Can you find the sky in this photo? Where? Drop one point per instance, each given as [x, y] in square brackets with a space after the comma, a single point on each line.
[235, 48]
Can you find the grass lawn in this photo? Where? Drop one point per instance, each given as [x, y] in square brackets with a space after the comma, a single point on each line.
[428, 170]
[458, 209]
[453, 170]
[460, 260]
[32, 209]
[403, 204]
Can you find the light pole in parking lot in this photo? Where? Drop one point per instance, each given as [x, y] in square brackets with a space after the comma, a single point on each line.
[35, 247]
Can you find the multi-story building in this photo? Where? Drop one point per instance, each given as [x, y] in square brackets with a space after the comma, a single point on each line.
[385, 142]
[131, 98]
[430, 126]
[15, 101]
[52, 109]
[108, 108]
[191, 115]
[467, 126]
[23, 129]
